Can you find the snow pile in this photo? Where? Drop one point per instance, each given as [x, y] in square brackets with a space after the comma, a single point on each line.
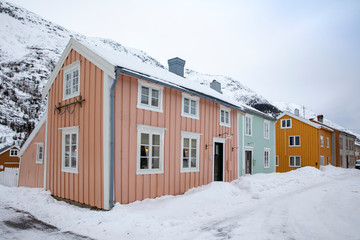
[303, 204]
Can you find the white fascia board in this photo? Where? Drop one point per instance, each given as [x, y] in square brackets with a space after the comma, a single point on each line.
[33, 134]
[107, 139]
[97, 60]
[308, 122]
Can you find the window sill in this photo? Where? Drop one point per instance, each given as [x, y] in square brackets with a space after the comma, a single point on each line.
[67, 170]
[189, 116]
[146, 107]
[189, 170]
[144, 172]
[225, 125]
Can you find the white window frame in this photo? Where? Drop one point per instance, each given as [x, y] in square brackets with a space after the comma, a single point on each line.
[39, 160]
[294, 161]
[267, 164]
[150, 130]
[295, 141]
[281, 125]
[70, 131]
[71, 68]
[321, 141]
[266, 129]
[225, 110]
[327, 142]
[248, 130]
[190, 135]
[14, 153]
[277, 161]
[322, 160]
[191, 98]
[151, 86]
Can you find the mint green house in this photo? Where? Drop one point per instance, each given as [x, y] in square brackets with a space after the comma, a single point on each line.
[256, 141]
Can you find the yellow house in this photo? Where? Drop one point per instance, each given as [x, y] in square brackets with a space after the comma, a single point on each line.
[300, 143]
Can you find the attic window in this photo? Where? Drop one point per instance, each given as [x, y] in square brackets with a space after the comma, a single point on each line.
[13, 153]
[225, 116]
[71, 80]
[190, 106]
[285, 123]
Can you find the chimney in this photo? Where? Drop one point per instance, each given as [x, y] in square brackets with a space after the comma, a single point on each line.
[297, 112]
[216, 86]
[176, 65]
[320, 118]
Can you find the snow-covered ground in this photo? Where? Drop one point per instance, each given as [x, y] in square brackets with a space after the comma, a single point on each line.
[303, 204]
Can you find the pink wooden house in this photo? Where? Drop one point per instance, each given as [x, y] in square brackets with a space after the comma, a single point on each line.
[120, 130]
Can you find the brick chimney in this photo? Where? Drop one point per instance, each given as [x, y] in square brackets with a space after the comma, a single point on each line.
[216, 86]
[176, 65]
[320, 118]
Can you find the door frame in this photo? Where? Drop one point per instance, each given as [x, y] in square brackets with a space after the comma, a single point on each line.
[218, 140]
[251, 149]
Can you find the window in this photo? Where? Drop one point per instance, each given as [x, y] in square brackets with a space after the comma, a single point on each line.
[277, 161]
[190, 143]
[248, 125]
[321, 141]
[327, 142]
[266, 158]
[13, 153]
[294, 141]
[266, 129]
[295, 161]
[190, 106]
[150, 157]
[1, 167]
[341, 142]
[321, 160]
[70, 149]
[224, 116]
[285, 123]
[39, 153]
[149, 96]
[71, 80]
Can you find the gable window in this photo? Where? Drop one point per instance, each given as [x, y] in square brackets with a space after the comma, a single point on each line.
[327, 142]
[266, 158]
[150, 150]
[13, 153]
[295, 161]
[224, 116]
[294, 141]
[248, 125]
[71, 80]
[277, 161]
[39, 153]
[190, 106]
[321, 141]
[190, 143]
[70, 144]
[150, 96]
[266, 129]
[285, 123]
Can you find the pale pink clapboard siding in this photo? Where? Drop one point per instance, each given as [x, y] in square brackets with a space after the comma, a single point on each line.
[86, 186]
[130, 187]
[32, 174]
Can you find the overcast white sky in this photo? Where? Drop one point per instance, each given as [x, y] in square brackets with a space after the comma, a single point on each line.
[305, 51]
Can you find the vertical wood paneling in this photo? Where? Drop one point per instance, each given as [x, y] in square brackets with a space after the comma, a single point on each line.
[87, 185]
[129, 186]
[309, 149]
[32, 174]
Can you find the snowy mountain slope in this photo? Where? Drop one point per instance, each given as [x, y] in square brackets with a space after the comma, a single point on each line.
[308, 114]
[30, 47]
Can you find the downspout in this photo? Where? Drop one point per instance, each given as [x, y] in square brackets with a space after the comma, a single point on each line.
[112, 141]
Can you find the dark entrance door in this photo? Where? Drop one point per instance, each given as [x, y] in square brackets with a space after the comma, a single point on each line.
[218, 162]
[248, 162]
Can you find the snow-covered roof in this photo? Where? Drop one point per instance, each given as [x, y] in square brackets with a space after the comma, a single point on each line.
[108, 60]
[313, 124]
[33, 134]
